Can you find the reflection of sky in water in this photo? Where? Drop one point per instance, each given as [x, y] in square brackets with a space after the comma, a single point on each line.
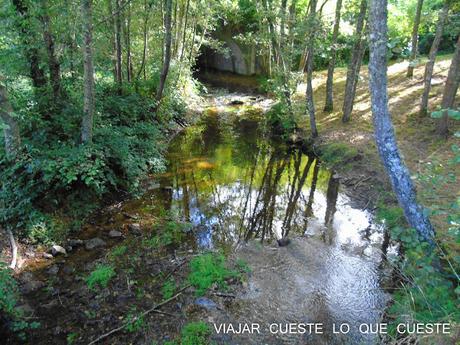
[223, 210]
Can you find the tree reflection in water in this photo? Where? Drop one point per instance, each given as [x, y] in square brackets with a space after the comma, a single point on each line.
[239, 184]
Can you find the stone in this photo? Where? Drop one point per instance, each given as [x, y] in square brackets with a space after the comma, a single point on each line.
[68, 269]
[47, 256]
[205, 303]
[53, 270]
[75, 242]
[115, 234]
[31, 286]
[26, 309]
[57, 250]
[236, 102]
[135, 228]
[94, 243]
[282, 242]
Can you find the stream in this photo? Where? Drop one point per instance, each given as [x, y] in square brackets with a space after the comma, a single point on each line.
[241, 190]
[235, 184]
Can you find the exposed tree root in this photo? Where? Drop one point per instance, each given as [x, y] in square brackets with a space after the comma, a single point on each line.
[14, 249]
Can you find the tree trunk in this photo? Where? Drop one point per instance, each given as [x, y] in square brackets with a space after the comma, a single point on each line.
[53, 63]
[118, 46]
[450, 90]
[185, 30]
[129, 66]
[88, 77]
[354, 65]
[32, 54]
[329, 104]
[310, 105]
[414, 48]
[383, 126]
[114, 41]
[167, 50]
[280, 58]
[145, 32]
[432, 58]
[11, 128]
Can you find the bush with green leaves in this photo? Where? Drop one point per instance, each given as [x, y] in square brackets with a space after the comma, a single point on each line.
[54, 173]
[100, 277]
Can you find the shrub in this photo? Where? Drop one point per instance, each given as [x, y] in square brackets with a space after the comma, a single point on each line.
[100, 277]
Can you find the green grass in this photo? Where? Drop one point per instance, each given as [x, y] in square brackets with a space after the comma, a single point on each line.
[337, 153]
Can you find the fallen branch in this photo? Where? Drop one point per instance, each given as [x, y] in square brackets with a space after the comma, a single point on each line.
[14, 249]
[153, 309]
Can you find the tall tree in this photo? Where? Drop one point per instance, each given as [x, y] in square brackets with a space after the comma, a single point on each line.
[118, 51]
[88, 71]
[27, 35]
[279, 56]
[310, 105]
[10, 126]
[432, 57]
[355, 64]
[414, 43]
[167, 50]
[329, 104]
[450, 90]
[383, 126]
[54, 66]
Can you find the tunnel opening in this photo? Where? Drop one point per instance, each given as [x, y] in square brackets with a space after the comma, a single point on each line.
[229, 67]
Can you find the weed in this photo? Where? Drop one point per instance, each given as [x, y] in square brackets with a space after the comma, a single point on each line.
[168, 288]
[72, 337]
[195, 333]
[208, 269]
[134, 323]
[100, 276]
[118, 251]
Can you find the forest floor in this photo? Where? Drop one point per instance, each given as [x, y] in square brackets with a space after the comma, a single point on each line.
[419, 144]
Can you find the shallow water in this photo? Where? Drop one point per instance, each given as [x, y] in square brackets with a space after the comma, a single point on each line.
[241, 189]
[236, 184]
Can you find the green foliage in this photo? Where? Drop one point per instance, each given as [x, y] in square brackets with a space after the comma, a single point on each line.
[72, 338]
[195, 333]
[209, 269]
[118, 251]
[100, 277]
[168, 233]
[338, 153]
[53, 173]
[427, 293]
[9, 297]
[280, 120]
[168, 288]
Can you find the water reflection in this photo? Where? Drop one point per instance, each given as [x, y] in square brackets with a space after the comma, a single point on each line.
[233, 183]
